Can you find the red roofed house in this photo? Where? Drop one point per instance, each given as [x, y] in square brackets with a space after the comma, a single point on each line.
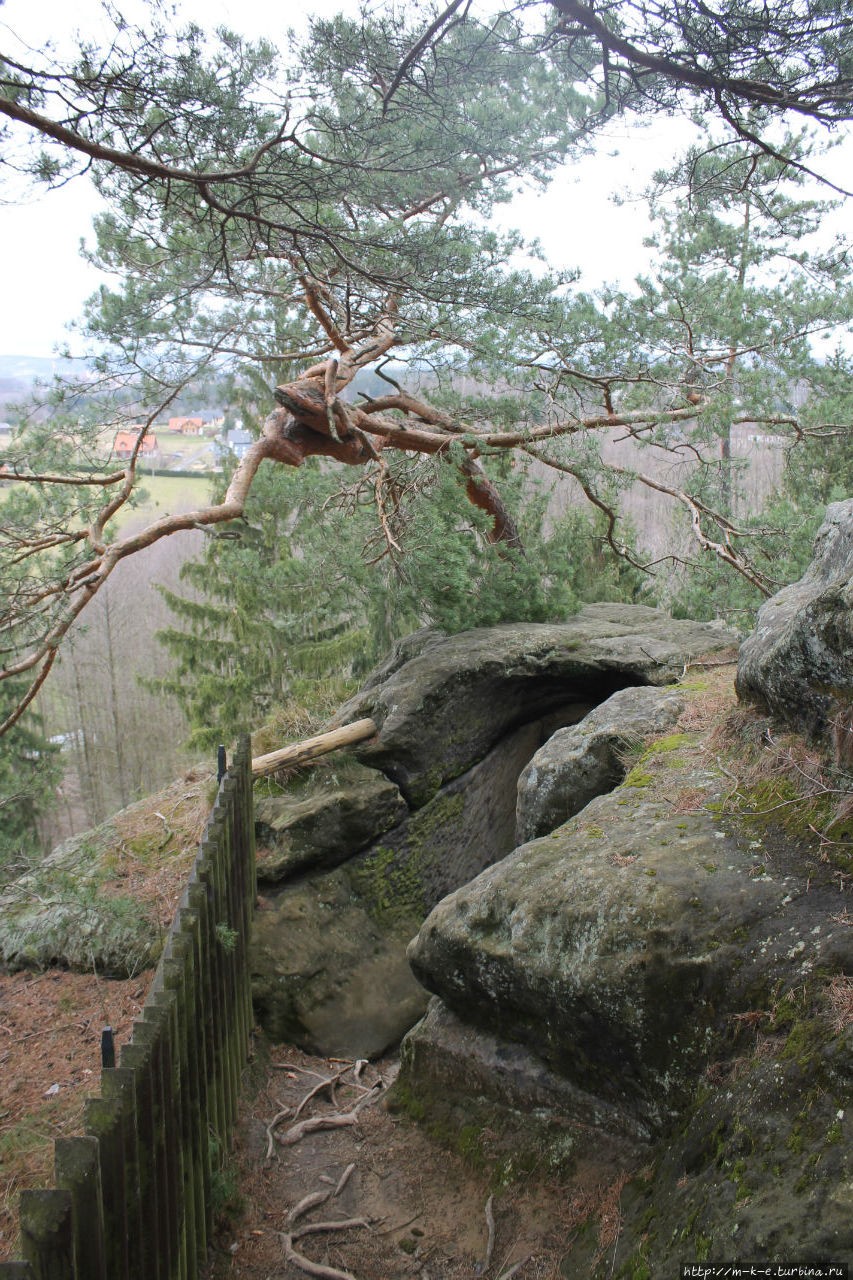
[125, 443]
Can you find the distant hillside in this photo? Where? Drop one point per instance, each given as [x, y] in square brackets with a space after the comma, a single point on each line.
[25, 369]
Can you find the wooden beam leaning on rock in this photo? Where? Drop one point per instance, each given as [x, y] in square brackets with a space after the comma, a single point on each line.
[312, 748]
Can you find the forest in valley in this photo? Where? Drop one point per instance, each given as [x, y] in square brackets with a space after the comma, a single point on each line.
[447, 429]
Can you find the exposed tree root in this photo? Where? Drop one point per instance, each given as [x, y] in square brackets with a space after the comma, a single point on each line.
[514, 1270]
[490, 1243]
[315, 1199]
[337, 1120]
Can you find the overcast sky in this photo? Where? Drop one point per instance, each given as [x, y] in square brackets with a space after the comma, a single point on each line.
[45, 281]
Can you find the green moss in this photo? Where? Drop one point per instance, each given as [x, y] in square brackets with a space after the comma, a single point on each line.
[738, 1177]
[806, 1038]
[647, 1219]
[639, 778]
[687, 1229]
[703, 1248]
[694, 684]
[391, 880]
[226, 1200]
[469, 1145]
[795, 1140]
[400, 1100]
[664, 745]
[833, 1133]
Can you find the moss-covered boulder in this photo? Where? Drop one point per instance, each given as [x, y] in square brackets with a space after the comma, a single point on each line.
[442, 1056]
[798, 662]
[589, 758]
[59, 913]
[444, 708]
[759, 1166]
[329, 959]
[616, 947]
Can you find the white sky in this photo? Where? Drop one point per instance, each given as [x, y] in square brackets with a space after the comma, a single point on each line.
[45, 281]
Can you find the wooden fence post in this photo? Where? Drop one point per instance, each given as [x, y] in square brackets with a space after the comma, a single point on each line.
[47, 1234]
[196, 1093]
[105, 1125]
[176, 986]
[138, 1059]
[118, 1085]
[78, 1170]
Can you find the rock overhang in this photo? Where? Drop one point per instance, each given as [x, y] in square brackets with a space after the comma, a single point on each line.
[443, 708]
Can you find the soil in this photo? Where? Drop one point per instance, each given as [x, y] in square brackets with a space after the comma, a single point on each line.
[423, 1206]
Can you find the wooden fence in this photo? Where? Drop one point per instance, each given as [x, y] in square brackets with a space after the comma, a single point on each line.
[133, 1197]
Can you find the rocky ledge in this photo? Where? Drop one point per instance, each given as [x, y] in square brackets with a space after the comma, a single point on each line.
[351, 861]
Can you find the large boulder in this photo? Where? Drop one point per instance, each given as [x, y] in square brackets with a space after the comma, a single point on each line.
[588, 759]
[615, 946]
[69, 911]
[459, 718]
[329, 955]
[761, 1166]
[660, 969]
[329, 976]
[451, 1058]
[335, 820]
[445, 707]
[798, 662]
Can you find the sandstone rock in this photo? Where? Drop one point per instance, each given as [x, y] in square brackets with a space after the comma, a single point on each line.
[760, 1167]
[326, 827]
[798, 663]
[465, 827]
[443, 709]
[613, 947]
[326, 976]
[442, 1055]
[313, 983]
[587, 760]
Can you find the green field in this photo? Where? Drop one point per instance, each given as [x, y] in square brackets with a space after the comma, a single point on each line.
[164, 495]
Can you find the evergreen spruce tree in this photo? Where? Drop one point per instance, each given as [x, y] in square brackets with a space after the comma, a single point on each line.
[290, 607]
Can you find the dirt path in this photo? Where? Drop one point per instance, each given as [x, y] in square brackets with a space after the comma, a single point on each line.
[425, 1205]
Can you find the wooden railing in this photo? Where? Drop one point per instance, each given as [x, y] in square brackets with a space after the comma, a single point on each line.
[133, 1198]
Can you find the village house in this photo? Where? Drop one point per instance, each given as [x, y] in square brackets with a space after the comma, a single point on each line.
[187, 426]
[125, 443]
[236, 441]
